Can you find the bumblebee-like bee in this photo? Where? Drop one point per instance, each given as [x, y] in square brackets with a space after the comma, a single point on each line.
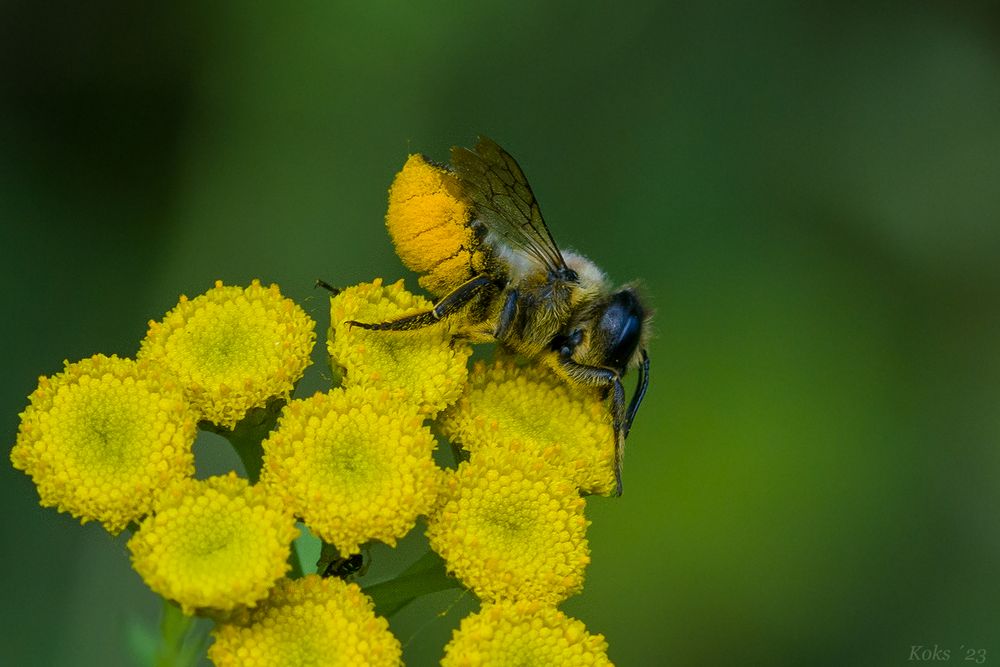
[476, 233]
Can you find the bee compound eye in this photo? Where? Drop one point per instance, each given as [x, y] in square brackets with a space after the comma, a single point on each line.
[622, 322]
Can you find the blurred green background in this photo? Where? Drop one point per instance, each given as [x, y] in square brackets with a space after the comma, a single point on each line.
[807, 191]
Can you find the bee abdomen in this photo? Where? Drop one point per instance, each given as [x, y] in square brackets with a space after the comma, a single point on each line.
[429, 223]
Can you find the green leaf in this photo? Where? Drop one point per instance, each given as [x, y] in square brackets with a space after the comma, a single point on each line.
[426, 575]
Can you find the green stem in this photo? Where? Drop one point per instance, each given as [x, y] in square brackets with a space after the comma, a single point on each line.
[248, 435]
[174, 628]
[295, 562]
[247, 439]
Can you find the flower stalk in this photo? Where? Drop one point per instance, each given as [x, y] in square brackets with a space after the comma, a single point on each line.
[182, 643]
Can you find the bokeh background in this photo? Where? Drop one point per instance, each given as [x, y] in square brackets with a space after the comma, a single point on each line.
[808, 192]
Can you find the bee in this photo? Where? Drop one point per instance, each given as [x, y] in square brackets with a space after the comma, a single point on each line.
[499, 276]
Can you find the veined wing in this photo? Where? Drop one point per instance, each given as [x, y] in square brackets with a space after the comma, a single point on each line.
[504, 202]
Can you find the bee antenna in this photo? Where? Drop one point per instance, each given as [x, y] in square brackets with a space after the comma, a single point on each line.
[327, 286]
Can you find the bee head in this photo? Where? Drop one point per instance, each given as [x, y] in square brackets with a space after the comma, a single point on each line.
[609, 334]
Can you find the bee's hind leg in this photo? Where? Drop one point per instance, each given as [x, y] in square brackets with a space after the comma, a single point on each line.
[449, 303]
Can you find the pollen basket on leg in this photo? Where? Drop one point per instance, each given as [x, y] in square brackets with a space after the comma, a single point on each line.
[429, 224]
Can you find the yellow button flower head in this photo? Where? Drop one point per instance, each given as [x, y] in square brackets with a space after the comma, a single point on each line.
[103, 437]
[308, 621]
[510, 526]
[507, 404]
[233, 348]
[424, 366]
[524, 633]
[214, 544]
[354, 464]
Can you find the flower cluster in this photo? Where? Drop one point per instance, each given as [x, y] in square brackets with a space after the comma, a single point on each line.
[510, 522]
[110, 439]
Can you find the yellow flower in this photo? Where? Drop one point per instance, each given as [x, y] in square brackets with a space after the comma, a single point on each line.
[506, 404]
[214, 543]
[103, 437]
[509, 526]
[428, 221]
[423, 366]
[354, 464]
[524, 633]
[308, 621]
[233, 348]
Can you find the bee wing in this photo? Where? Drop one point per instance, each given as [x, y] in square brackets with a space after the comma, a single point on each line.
[504, 202]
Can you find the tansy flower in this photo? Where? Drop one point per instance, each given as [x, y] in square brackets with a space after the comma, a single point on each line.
[428, 222]
[308, 621]
[524, 633]
[506, 404]
[103, 437]
[423, 366]
[233, 348]
[354, 464]
[509, 526]
[215, 544]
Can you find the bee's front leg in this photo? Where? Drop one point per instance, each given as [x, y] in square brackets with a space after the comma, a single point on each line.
[507, 314]
[605, 378]
[640, 391]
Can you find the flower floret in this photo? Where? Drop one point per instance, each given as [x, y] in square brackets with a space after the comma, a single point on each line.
[424, 366]
[214, 544]
[102, 438]
[355, 464]
[506, 403]
[308, 621]
[510, 526]
[233, 348]
[524, 633]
